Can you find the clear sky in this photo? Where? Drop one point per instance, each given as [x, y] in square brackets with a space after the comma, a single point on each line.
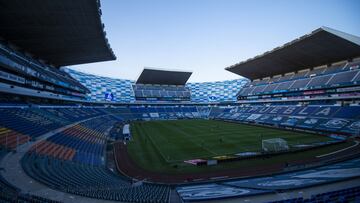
[205, 36]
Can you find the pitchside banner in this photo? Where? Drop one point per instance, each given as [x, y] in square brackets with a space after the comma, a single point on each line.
[214, 191]
[301, 179]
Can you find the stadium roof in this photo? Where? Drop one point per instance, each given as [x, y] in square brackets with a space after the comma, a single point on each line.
[64, 32]
[320, 47]
[163, 77]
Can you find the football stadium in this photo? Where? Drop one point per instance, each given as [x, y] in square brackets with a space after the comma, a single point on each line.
[285, 130]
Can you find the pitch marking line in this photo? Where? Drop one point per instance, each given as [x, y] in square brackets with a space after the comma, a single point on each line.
[356, 144]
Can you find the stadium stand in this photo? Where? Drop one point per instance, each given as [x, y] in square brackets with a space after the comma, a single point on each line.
[73, 161]
[248, 187]
[162, 85]
[341, 77]
[311, 79]
[201, 92]
[346, 195]
[101, 86]
[48, 78]
[68, 121]
[9, 193]
[161, 92]
[334, 119]
[91, 181]
[50, 37]
[78, 142]
[31, 70]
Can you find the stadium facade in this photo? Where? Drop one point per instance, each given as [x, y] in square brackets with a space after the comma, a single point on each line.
[62, 132]
[201, 92]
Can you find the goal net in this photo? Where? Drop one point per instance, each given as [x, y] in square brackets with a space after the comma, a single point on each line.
[274, 145]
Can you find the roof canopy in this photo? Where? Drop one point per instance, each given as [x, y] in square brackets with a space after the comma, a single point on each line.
[163, 77]
[64, 32]
[322, 46]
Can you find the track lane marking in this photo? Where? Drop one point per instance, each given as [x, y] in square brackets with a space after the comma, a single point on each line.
[356, 144]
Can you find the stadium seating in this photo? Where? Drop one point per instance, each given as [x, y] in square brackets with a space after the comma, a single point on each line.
[89, 179]
[35, 121]
[161, 92]
[9, 193]
[320, 78]
[83, 143]
[11, 139]
[73, 114]
[28, 122]
[17, 62]
[166, 112]
[19, 125]
[116, 132]
[201, 92]
[345, 195]
[72, 122]
[73, 160]
[333, 119]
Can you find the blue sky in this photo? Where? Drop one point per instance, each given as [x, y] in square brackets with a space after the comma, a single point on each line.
[205, 36]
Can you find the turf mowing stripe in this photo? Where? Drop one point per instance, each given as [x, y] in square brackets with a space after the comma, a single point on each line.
[152, 142]
[182, 139]
[191, 140]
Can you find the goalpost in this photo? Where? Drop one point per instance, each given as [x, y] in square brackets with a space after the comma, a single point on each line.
[274, 145]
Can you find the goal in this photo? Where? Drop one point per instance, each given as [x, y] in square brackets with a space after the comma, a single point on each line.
[274, 145]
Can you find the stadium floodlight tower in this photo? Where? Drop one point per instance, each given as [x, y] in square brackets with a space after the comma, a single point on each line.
[162, 85]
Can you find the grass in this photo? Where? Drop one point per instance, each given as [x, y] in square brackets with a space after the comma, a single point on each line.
[158, 145]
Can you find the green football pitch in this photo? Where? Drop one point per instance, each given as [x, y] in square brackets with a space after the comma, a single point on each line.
[160, 144]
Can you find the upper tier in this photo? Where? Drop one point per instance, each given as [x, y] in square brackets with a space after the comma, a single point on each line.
[122, 89]
[327, 79]
[20, 73]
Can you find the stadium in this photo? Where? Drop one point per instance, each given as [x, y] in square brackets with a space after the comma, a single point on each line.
[286, 130]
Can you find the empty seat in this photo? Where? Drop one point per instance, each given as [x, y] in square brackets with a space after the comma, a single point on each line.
[264, 81]
[271, 87]
[334, 69]
[300, 75]
[275, 79]
[286, 77]
[259, 89]
[90, 181]
[343, 77]
[317, 71]
[247, 91]
[319, 81]
[284, 85]
[300, 83]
